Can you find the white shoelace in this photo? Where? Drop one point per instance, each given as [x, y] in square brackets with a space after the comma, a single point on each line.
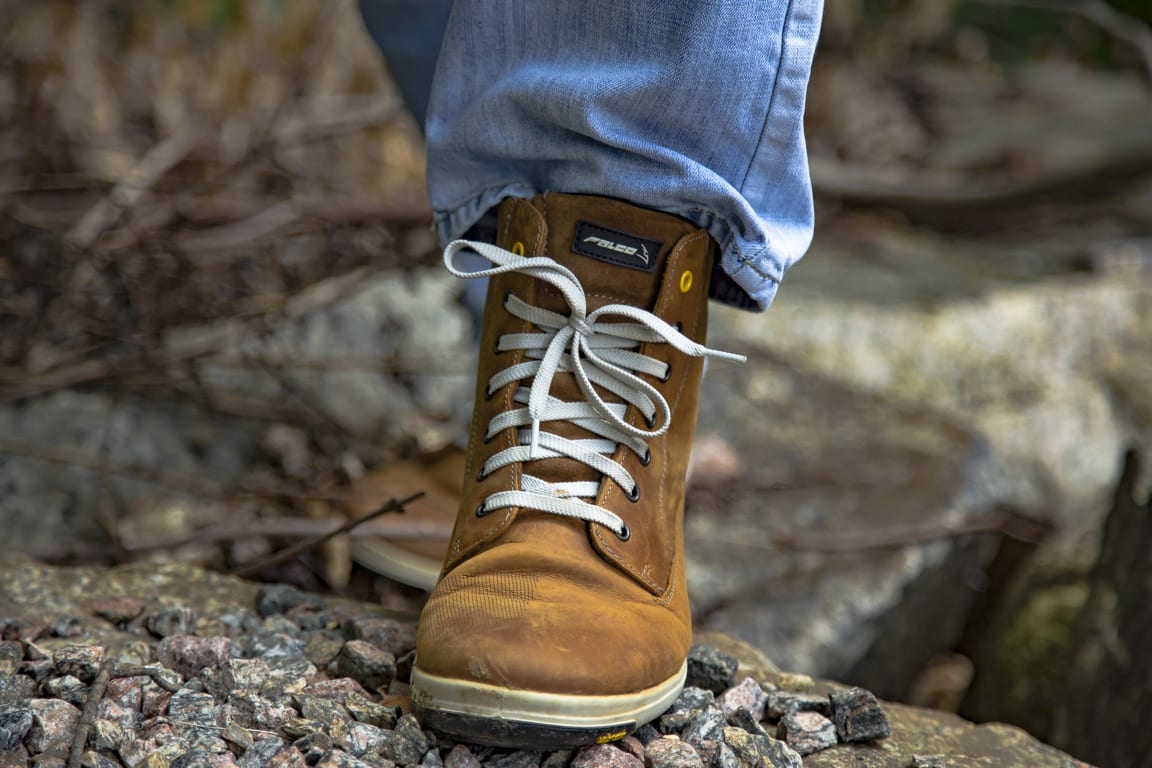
[597, 353]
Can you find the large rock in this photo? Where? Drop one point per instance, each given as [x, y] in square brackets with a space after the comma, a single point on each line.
[820, 546]
[381, 355]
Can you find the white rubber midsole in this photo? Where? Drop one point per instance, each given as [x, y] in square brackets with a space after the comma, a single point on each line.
[464, 697]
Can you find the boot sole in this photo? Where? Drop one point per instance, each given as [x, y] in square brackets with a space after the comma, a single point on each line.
[505, 717]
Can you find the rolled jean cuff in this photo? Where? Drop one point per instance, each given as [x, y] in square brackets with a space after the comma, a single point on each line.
[746, 275]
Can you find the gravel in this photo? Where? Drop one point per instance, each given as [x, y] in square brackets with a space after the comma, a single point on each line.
[296, 683]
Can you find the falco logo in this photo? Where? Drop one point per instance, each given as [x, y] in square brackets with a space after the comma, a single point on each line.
[641, 253]
[614, 247]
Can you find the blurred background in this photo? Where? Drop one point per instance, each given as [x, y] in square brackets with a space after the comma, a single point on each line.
[220, 306]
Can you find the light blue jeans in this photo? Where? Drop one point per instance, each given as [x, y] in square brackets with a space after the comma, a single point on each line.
[691, 108]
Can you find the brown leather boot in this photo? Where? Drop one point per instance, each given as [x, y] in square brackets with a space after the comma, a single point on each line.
[561, 616]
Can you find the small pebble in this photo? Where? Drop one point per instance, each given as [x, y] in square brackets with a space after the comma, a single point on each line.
[858, 716]
[367, 664]
[53, 724]
[396, 637]
[278, 599]
[928, 761]
[188, 654]
[244, 674]
[707, 726]
[518, 759]
[11, 654]
[688, 705]
[171, 621]
[118, 610]
[781, 703]
[69, 626]
[371, 712]
[407, 743]
[68, 688]
[747, 695]
[711, 669]
[808, 732]
[604, 756]
[337, 690]
[667, 752]
[360, 739]
[461, 756]
[340, 759]
[15, 722]
[81, 661]
[126, 691]
[632, 746]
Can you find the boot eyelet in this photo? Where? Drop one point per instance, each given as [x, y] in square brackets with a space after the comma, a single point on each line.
[646, 459]
[496, 347]
[667, 374]
[634, 495]
[650, 421]
[489, 393]
[625, 533]
[480, 511]
[488, 437]
[481, 476]
[678, 326]
[507, 296]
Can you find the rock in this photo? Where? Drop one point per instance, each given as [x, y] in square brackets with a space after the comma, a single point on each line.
[68, 688]
[407, 743]
[15, 722]
[726, 757]
[337, 690]
[53, 724]
[188, 654]
[371, 712]
[647, 733]
[197, 710]
[81, 661]
[671, 753]
[521, 758]
[747, 695]
[395, 637]
[340, 759]
[928, 761]
[119, 610]
[604, 756]
[740, 718]
[858, 716]
[781, 703]
[560, 759]
[244, 674]
[126, 691]
[324, 712]
[707, 726]
[177, 620]
[281, 598]
[632, 746]
[321, 646]
[360, 739]
[16, 688]
[689, 704]
[756, 750]
[271, 751]
[461, 756]
[710, 669]
[11, 653]
[367, 664]
[808, 732]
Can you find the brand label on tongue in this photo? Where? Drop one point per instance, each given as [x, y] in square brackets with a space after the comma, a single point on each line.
[615, 247]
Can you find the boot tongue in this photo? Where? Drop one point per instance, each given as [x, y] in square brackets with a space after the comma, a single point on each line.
[617, 251]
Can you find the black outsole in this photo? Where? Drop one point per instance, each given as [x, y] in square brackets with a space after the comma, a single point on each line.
[498, 732]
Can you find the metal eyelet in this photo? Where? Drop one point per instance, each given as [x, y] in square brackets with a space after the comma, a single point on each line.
[634, 495]
[480, 511]
[507, 296]
[678, 326]
[488, 437]
[667, 374]
[496, 347]
[481, 476]
[625, 533]
[646, 459]
[650, 421]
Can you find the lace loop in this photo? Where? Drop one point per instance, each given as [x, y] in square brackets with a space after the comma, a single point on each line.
[598, 354]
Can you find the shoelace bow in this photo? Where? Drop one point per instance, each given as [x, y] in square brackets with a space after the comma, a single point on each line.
[597, 353]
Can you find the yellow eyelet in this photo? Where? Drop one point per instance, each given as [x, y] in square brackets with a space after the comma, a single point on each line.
[518, 248]
[686, 281]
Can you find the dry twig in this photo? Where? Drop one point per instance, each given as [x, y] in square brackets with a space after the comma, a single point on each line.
[288, 553]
